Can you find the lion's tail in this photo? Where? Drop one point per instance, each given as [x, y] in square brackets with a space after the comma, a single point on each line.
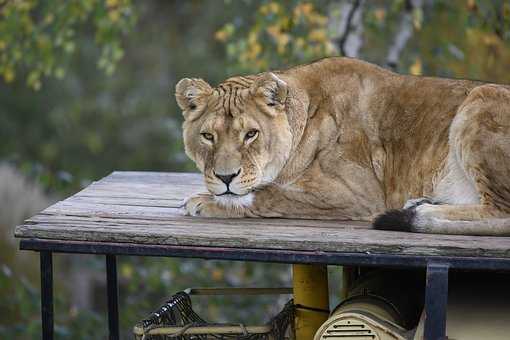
[444, 219]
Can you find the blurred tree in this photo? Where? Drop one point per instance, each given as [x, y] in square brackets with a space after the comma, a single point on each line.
[460, 38]
[37, 38]
[279, 34]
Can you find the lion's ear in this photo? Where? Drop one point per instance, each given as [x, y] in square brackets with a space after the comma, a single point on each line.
[190, 94]
[272, 90]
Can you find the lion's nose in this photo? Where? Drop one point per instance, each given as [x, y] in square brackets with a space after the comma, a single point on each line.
[227, 178]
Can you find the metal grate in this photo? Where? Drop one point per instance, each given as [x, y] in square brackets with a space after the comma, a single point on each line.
[349, 330]
[176, 320]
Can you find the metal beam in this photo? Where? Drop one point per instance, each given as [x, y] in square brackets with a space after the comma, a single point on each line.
[436, 300]
[47, 294]
[113, 297]
[264, 255]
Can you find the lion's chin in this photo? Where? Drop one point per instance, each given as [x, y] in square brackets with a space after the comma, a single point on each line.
[235, 201]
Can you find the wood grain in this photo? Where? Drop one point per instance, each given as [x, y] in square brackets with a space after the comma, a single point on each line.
[143, 207]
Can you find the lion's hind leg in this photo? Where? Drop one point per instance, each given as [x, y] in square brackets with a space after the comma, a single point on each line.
[475, 190]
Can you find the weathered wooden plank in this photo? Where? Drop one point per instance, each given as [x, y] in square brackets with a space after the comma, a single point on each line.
[138, 190]
[149, 177]
[195, 222]
[258, 237]
[143, 207]
[149, 185]
[75, 207]
[264, 226]
[214, 239]
[130, 201]
[257, 233]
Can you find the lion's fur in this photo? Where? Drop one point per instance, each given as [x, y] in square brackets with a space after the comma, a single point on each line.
[345, 139]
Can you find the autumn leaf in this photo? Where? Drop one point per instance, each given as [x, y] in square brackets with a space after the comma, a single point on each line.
[416, 67]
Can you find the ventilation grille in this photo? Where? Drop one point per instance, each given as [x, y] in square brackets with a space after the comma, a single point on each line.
[349, 330]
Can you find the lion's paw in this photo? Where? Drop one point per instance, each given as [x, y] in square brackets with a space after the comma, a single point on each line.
[204, 205]
[193, 205]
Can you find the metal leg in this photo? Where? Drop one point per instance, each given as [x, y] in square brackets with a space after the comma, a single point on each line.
[436, 298]
[47, 294]
[311, 297]
[113, 297]
[348, 277]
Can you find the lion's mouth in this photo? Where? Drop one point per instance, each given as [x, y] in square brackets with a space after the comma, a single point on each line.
[229, 193]
[232, 194]
[233, 200]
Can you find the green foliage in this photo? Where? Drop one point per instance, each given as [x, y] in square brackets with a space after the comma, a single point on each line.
[282, 33]
[461, 38]
[82, 127]
[20, 306]
[471, 40]
[21, 319]
[37, 38]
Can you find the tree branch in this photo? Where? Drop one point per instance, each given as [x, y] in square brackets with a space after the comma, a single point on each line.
[346, 21]
[403, 35]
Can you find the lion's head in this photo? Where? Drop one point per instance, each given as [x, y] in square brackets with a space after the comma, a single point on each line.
[237, 133]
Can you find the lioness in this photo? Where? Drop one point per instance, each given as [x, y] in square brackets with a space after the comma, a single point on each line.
[344, 139]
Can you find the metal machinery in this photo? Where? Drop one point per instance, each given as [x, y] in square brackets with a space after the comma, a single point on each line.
[386, 305]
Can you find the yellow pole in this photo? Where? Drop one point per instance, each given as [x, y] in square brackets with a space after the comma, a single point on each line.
[310, 283]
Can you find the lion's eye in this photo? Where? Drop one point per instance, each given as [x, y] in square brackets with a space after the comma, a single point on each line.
[251, 134]
[207, 136]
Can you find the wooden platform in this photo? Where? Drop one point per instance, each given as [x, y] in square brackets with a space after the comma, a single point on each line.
[142, 208]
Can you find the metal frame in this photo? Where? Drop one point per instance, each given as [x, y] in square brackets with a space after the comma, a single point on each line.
[113, 297]
[47, 294]
[436, 285]
[436, 299]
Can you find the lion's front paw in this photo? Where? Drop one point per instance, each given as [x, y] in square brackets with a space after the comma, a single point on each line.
[204, 205]
[192, 206]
